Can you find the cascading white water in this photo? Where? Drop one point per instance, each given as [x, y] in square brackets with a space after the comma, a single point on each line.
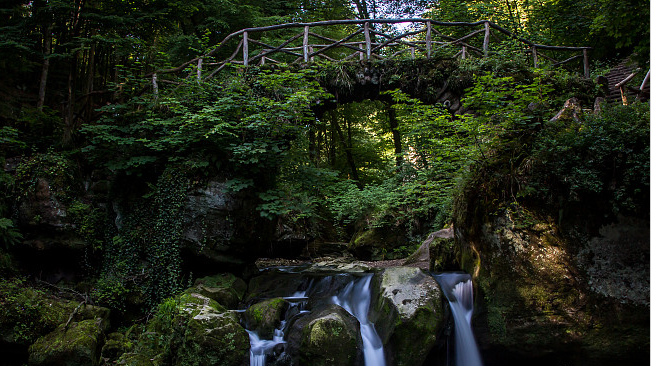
[261, 347]
[356, 299]
[457, 287]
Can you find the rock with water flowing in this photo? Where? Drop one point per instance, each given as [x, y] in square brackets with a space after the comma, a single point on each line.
[327, 336]
[265, 316]
[407, 313]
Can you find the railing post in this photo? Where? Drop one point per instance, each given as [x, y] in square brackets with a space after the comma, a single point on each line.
[535, 56]
[154, 84]
[586, 64]
[306, 36]
[428, 39]
[245, 48]
[199, 64]
[487, 32]
[367, 38]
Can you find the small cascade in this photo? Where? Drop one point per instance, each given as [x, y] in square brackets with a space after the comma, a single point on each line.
[356, 299]
[457, 287]
[260, 348]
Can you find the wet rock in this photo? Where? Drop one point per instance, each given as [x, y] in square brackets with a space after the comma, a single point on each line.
[329, 336]
[408, 313]
[273, 284]
[77, 344]
[265, 316]
[543, 294]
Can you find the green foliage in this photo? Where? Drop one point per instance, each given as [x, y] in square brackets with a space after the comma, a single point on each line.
[89, 223]
[111, 292]
[52, 166]
[27, 313]
[144, 258]
[9, 234]
[607, 155]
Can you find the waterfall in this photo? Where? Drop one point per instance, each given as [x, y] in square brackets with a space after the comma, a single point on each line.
[261, 347]
[457, 287]
[356, 299]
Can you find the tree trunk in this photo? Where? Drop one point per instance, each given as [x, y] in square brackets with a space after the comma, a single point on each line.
[347, 149]
[397, 142]
[45, 69]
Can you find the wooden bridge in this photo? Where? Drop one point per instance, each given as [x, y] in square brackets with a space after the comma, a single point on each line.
[369, 39]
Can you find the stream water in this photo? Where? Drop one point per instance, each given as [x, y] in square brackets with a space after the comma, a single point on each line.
[355, 297]
[457, 287]
[353, 293]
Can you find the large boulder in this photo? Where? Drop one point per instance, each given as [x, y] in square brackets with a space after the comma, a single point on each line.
[224, 288]
[74, 344]
[576, 292]
[191, 329]
[27, 313]
[328, 336]
[212, 337]
[222, 227]
[408, 313]
[265, 316]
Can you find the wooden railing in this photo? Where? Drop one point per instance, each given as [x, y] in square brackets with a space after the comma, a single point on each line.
[365, 41]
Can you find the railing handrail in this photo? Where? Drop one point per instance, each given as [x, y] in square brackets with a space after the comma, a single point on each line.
[365, 30]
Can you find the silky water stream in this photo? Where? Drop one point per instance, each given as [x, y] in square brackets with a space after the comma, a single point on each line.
[355, 297]
[457, 287]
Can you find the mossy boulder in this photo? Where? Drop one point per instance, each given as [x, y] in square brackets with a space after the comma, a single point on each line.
[27, 313]
[134, 359]
[191, 330]
[76, 345]
[328, 336]
[377, 243]
[225, 288]
[214, 338]
[546, 290]
[265, 316]
[115, 346]
[407, 312]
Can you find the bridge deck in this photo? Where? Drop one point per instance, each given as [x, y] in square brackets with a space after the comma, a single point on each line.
[367, 39]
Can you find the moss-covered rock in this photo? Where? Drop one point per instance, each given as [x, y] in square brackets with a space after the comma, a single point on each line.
[78, 344]
[544, 293]
[191, 329]
[408, 313]
[265, 316]
[329, 336]
[225, 288]
[377, 243]
[134, 359]
[115, 346]
[213, 338]
[27, 313]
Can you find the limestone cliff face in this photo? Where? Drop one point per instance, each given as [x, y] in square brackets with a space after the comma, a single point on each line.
[546, 292]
